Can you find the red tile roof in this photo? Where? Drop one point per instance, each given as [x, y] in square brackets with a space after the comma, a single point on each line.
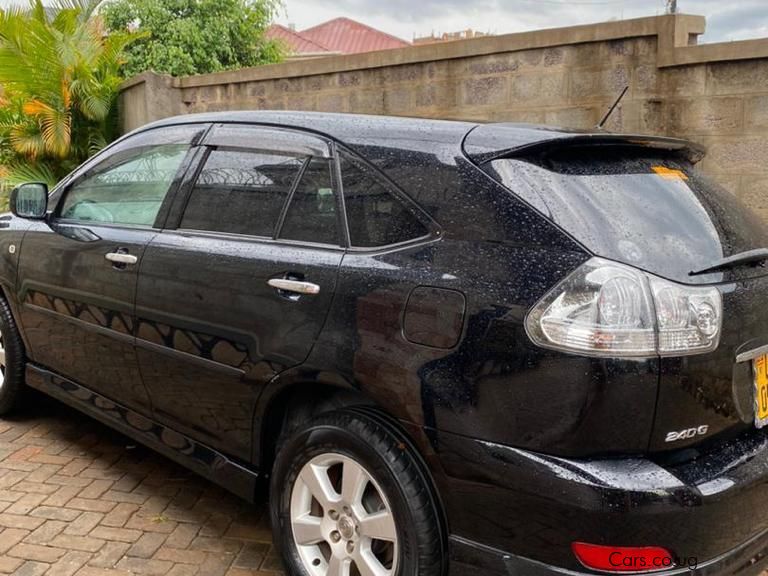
[294, 41]
[351, 37]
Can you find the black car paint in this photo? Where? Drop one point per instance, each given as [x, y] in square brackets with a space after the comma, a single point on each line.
[73, 301]
[517, 438]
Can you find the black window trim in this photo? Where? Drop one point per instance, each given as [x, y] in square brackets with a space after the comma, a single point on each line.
[289, 199]
[230, 236]
[340, 203]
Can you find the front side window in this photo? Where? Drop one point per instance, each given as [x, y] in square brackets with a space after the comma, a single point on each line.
[241, 192]
[376, 215]
[129, 187]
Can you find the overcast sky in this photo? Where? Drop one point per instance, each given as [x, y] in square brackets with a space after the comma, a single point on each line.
[726, 20]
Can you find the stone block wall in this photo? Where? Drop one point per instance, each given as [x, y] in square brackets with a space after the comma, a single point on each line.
[716, 94]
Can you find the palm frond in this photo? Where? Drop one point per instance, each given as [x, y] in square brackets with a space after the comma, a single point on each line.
[17, 173]
[96, 141]
[60, 76]
[54, 126]
[85, 8]
[27, 140]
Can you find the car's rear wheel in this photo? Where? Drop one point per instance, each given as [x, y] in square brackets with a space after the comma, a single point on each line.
[12, 361]
[349, 498]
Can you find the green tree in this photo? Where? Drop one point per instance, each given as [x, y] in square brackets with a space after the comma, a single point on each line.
[195, 36]
[60, 74]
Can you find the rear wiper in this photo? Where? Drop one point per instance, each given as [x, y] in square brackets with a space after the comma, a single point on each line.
[750, 257]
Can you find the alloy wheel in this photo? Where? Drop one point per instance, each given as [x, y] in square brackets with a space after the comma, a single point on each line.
[341, 520]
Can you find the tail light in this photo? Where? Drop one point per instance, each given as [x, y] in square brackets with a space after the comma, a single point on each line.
[610, 309]
[623, 558]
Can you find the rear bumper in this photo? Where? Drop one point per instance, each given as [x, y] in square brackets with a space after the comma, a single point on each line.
[516, 511]
[474, 559]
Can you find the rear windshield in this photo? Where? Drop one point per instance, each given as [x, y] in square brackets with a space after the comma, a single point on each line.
[647, 208]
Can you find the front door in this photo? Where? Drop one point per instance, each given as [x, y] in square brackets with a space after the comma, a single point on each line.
[238, 290]
[78, 270]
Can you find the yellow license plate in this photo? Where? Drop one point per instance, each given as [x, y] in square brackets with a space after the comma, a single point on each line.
[761, 390]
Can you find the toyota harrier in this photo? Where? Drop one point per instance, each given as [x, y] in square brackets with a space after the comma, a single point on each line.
[445, 347]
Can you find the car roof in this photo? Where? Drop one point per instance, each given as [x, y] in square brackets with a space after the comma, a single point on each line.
[342, 127]
[480, 141]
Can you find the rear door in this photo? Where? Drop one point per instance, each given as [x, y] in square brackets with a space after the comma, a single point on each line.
[78, 269]
[237, 289]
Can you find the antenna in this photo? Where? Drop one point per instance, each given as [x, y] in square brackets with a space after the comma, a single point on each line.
[612, 108]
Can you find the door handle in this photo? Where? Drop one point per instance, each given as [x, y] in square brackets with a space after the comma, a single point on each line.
[121, 258]
[295, 286]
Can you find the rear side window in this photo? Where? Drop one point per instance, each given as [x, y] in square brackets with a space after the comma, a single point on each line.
[241, 192]
[312, 214]
[375, 214]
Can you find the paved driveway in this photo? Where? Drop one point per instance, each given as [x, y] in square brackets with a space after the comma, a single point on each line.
[78, 498]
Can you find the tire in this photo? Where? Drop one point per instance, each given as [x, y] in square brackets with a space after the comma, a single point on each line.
[12, 362]
[349, 496]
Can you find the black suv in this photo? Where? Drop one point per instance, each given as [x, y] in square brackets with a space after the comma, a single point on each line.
[489, 349]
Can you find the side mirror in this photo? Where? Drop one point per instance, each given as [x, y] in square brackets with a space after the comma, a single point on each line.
[30, 201]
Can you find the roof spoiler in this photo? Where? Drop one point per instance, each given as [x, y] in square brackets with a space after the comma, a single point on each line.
[694, 153]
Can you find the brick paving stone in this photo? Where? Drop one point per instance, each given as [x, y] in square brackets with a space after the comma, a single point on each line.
[116, 534]
[10, 496]
[216, 545]
[183, 570]
[96, 489]
[18, 521]
[182, 536]
[82, 543]
[46, 532]
[144, 566]
[31, 569]
[178, 556]
[120, 514]
[10, 537]
[36, 488]
[91, 505]
[109, 555]
[70, 563]
[36, 552]
[252, 556]
[75, 500]
[215, 564]
[8, 564]
[26, 504]
[63, 495]
[86, 522]
[147, 545]
[92, 571]
[55, 513]
[124, 497]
